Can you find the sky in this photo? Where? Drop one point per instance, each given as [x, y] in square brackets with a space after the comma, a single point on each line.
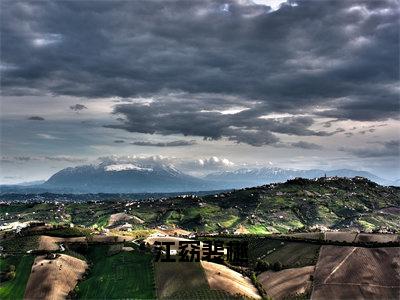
[207, 85]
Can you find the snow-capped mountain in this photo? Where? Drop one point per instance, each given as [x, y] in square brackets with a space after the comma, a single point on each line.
[114, 177]
[125, 167]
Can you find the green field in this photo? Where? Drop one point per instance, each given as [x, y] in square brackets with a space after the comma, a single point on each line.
[260, 247]
[257, 229]
[102, 221]
[20, 244]
[173, 278]
[15, 288]
[121, 276]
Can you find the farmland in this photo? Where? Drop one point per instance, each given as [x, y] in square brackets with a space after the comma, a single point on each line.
[287, 283]
[15, 288]
[124, 275]
[20, 244]
[206, 280]
[114, 273]
[172, 277]
[220, 277]
[54, 278]
[290, 254]
[294, 255]
[357, 272]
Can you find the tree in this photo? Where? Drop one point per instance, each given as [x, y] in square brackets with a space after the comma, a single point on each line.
[142, 246]
[277, 266]
[262, 265]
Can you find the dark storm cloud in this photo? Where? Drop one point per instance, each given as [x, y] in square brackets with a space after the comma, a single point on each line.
[78, 107]
[36, 118]
[340, 55]
[386, 149]
[201, 116]
[119, 141]
[178, 143]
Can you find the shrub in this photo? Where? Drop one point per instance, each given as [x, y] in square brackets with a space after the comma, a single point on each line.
[10, 275]
[262, 265]
[277, 266]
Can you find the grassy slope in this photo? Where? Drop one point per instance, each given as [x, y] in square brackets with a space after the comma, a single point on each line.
[124, 275]
[259, 247]
[15, 289]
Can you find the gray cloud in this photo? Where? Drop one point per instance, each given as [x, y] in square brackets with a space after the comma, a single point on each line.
[283, 61]
[36, 118]
[78, 107]
[60, 158]
[366, 131]
[119, 141]
[65, 158]
[386, 149]
[349, 134]
[203, 115]
[178, 143]
[306, 145]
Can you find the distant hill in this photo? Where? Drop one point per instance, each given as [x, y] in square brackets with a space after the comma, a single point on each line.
[155, 177]
[258, 176]
[296, 205]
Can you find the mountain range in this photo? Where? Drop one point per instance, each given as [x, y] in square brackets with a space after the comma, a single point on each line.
[111, 177]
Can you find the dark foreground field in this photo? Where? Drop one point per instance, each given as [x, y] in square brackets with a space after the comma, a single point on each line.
[120, 267]
[123, 275]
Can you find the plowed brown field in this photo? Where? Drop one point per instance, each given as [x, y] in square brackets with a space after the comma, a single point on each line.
[220, 277]
[355, 273]
[53, 279]
[287, 283]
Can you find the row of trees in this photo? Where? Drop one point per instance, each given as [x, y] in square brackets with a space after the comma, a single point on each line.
[263, 265]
